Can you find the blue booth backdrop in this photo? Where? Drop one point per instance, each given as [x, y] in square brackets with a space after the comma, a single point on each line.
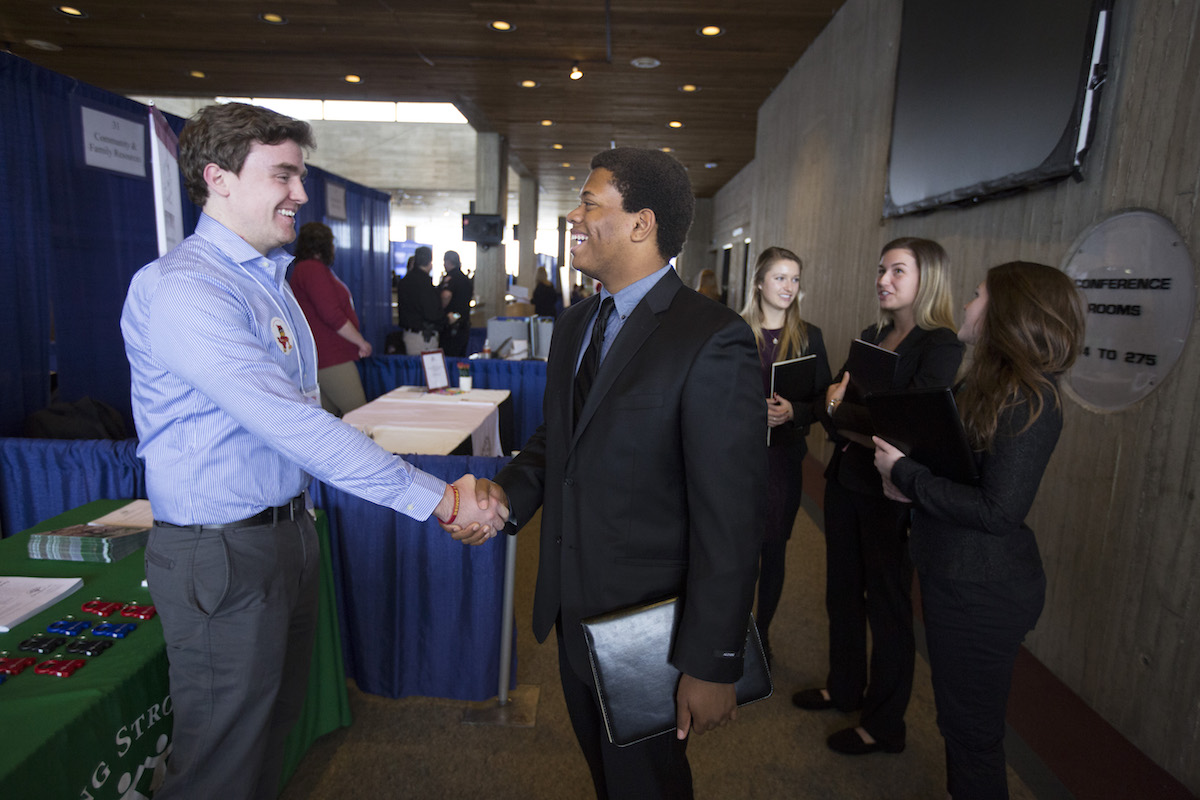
[420, 613]
[76, 234]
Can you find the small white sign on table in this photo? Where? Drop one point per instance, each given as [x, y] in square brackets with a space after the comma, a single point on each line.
[433, 364]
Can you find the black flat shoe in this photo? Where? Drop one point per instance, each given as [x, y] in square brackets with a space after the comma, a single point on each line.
[849, 743]
[811, 700]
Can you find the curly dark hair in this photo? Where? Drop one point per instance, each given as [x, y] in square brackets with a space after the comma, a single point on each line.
[222, 134]
[655, 180]
[315, 240]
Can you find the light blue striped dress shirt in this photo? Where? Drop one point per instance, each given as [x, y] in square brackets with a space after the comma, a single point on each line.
[224, 384]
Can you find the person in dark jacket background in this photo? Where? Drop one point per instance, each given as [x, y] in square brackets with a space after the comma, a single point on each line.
[545, 297]
[773, 313]
[420, 305]
[457, 289]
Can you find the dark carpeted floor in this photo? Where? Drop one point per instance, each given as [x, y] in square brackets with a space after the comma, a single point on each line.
[420, 748]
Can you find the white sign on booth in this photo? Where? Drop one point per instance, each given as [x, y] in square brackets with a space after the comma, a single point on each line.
[112, 142]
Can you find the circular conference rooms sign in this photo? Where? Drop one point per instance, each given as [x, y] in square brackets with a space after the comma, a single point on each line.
[1136, 277]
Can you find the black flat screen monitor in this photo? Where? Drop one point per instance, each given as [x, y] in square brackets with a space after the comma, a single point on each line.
[483, 228]
[992, 98]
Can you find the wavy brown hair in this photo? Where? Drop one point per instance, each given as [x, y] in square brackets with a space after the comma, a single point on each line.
[315, 240]
[794, 337]
[1032, 331]
[222, 134]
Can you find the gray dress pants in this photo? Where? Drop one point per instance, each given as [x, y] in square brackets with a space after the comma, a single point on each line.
[239, 611]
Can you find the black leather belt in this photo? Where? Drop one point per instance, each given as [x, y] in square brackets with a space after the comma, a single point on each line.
[268, 516]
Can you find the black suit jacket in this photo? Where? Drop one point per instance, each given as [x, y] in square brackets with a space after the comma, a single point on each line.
[659, 490]
[420, 304]
[926, 358]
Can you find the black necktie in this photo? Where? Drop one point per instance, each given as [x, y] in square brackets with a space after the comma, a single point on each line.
[586, 374]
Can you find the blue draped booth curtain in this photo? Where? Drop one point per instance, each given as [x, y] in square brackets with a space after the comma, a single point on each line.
[75, 234]
[420, 613]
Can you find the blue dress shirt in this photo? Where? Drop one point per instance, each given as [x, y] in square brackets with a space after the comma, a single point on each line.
[624, 302]
[224, 386]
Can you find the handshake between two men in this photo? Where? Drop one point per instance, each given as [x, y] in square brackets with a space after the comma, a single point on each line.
[473, 510]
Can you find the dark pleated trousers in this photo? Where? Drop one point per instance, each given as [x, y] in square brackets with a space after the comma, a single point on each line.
[868, 581]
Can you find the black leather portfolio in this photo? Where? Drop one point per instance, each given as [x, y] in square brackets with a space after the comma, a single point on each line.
[630, 651]
[871, 368]
[793, 379]
[924, 424]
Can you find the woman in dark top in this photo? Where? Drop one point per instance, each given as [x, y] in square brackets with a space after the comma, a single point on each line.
[545, 296]
[773, 313]
[982, 584]
[868, 577]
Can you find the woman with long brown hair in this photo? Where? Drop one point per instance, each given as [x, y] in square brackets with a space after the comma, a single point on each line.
[773, 313]
[982, 582]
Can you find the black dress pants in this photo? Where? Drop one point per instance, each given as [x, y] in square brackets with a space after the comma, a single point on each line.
[654, 769]
[868, 580]
[973, 630]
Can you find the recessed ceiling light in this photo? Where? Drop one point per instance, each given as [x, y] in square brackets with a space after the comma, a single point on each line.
[710, 165]
[556, 146]
[529, 84]
[576, 72]
[646, 62]
[674, 124]
[70, 11]
[273, 19]
[40, 44]
[689, 87]
[566, 164]
[710, 30]
[197, 74]
[352, 79]
[570, 177]
[501, 25]
[546, 123]
[667, 149]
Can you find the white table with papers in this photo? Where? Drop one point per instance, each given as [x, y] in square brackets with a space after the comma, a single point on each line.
[410, 419]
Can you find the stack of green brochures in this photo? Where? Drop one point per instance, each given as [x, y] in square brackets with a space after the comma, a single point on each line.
[105, 543]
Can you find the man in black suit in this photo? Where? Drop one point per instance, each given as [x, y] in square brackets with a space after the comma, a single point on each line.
[457, 290]
[654, 485]
[420, 304]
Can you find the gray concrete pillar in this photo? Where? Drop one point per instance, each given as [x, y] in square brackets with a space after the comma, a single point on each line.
[491, 197]
[527, 204]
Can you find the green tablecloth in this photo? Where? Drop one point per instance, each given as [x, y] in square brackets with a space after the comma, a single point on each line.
[103, 732]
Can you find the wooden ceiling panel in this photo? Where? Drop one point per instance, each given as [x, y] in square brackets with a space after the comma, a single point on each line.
[445, 51]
